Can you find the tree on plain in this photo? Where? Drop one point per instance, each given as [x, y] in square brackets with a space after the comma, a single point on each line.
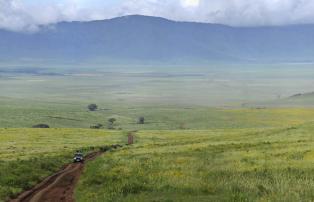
[92, 107]
[111, 123]
[141, 120]
[112, 120]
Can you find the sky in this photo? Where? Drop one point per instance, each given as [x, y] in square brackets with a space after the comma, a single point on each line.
[28, 15]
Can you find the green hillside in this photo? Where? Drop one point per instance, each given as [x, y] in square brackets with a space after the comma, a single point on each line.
[248, 162]
[210, 165]
[27, 156]
[202, 140]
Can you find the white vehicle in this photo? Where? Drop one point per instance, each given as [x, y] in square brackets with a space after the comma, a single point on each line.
[78, 157]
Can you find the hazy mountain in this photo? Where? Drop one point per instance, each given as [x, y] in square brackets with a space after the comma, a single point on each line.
[144, 40]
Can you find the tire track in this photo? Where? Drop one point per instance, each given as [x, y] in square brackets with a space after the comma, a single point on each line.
[59, 187]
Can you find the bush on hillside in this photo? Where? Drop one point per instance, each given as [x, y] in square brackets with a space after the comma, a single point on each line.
[41, 126]
[141, 120]
[97, 126]
[92, 107]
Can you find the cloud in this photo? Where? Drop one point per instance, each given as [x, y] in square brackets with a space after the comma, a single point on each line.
[190, 3]
[12, 15]
[230, 12]
[18, 15]
[257, 12]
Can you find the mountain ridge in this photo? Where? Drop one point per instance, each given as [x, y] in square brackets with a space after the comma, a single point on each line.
[137, 39]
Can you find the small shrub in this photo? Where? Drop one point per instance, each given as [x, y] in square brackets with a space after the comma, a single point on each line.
[141, 120]
[97, 126]
[41, 126]
[105, 148]
[112, 120]
[92, 107]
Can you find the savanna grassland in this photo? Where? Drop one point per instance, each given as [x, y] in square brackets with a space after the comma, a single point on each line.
[206, 165]
[213, 136]
[29, 155]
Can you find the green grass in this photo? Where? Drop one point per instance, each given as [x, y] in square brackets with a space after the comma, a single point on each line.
[29, 155]
[168, 101]
[206, 165]
[211, 136]
[216, 86]
[26, 113]
[247, 148]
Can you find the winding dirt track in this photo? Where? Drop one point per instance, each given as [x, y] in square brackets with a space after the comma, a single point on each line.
[58, 187]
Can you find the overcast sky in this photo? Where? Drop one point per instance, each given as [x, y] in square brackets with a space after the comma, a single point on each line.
[21, 15]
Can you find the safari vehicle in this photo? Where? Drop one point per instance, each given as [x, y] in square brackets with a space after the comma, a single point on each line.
[78, 157]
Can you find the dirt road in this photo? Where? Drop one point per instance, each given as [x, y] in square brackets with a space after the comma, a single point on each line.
[58, 187]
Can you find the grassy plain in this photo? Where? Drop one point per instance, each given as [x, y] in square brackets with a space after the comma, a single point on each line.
[168, 100]
[212, 136]
[29, 155]
[26, 113]
[206, 165]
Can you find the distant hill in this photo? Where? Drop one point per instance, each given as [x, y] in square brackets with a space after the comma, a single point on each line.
[302, 99]
[152, 40]
[297, 100]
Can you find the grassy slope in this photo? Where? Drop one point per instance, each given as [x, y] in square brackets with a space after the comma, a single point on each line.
[218, 162]
[29, 155]
[305, 100]
[41, 152]
[206, 165]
